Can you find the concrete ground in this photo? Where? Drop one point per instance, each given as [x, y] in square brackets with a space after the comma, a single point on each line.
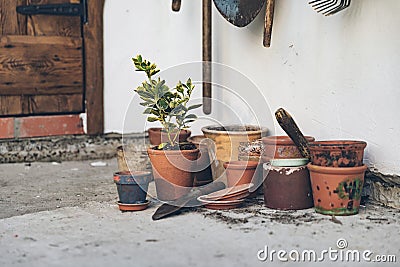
[65, 214]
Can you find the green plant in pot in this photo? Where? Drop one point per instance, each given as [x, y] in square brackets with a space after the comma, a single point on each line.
[173, 162]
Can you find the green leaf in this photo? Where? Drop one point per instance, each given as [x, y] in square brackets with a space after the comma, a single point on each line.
[152, 119]
[162, 104]
[191, 116]
[148, 111]
[194, 106]
[146, 104]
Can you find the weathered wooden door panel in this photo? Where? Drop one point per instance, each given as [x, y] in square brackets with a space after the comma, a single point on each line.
[41, 62]
[39, 25]
[10, 21]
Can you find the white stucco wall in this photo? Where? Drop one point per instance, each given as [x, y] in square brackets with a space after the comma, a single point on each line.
[338, 76]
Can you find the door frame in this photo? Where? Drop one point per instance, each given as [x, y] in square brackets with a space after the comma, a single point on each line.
[94, 68]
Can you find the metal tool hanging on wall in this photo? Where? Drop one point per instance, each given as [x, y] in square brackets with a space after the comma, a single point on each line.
[241, 12]
[207, 52]
[329, 7]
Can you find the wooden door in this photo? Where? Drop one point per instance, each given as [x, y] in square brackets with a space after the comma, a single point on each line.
[45, 62]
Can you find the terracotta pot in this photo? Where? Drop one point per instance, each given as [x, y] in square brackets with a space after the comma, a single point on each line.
[240, 172]
[287, 188]
[227, 140]
[337, 191]
[281, 147]
[204, 175]
[337, 153]
[132, 186]
[251, 151]
[157, 136]
[173, 171]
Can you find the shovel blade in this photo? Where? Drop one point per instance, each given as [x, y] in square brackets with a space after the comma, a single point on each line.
[239, 12]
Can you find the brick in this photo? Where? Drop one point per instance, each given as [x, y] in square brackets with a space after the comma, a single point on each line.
[48, 125]
[6, 128]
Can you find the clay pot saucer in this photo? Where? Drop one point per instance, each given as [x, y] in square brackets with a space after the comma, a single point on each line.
[230, 193]
[133, 207]
[221, 204]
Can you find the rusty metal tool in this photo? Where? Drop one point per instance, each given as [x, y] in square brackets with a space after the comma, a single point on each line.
[190, 199]
[290, 127]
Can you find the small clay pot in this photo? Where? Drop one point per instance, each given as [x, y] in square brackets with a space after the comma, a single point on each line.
[337, 191]
[227, 140]
[240, 172]
[173, 172]
[287, 188]
[337, 153]
[204, 175]
[132, 186]
[158, 136]
[281, 147]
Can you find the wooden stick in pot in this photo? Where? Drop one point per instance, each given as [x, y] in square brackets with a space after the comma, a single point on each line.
[290, 127]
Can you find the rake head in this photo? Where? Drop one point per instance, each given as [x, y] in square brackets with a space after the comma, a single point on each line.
[329, 7]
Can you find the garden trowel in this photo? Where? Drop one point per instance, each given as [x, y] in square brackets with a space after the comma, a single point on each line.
[239, 12]
[189, 200]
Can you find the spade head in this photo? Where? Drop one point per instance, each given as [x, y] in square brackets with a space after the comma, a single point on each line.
[239, 12]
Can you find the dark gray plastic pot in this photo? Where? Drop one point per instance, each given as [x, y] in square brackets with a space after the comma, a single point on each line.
[132, 186]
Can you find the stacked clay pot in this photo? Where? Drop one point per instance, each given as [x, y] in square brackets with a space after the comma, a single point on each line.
[337, 175]
[286, 177]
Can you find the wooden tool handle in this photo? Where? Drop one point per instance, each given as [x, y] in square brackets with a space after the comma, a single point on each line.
[290, 127]
[269, 18]
[207, 56]
[176, 5]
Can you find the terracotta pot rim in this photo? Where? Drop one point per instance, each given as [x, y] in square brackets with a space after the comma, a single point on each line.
[336, 170]
[237, 164]
[209, 130]
[134, 173]
[191, 139]
[156, 129]
[172, 152]
[268, 167]
[337, 144]
[282, 140]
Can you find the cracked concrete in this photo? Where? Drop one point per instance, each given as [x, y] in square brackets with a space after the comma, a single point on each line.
[65, 214]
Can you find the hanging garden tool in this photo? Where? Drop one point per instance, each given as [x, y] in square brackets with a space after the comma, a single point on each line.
[206, 11]
[207, 56]
[269, 17]
[239, 12]
[329, 7]
[176, 5]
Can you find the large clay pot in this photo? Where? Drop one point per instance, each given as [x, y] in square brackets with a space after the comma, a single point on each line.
[132, 186]
[157, 136]
[173, 171]
[287, 188]
[337, 153]
[281, 147]
[204, 175]
[227, 140]
[337, 191]
[240, 172]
